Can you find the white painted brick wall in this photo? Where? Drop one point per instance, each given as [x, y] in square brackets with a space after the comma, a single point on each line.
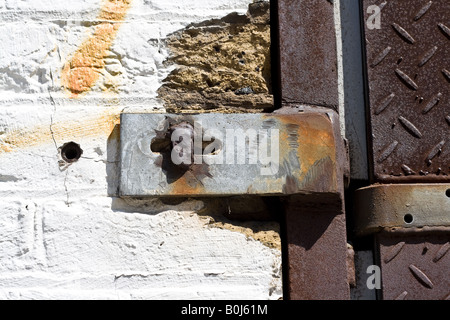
[61, 235]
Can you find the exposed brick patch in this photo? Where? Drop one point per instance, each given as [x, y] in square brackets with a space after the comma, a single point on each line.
[222, 64]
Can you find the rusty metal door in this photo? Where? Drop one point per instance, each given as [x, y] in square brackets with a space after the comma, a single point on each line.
[407, 65]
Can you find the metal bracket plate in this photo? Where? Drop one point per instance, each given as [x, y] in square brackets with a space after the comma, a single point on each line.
[305, 163]
[402, 205]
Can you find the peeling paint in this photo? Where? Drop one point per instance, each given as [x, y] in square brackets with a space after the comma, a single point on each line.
[213, 214]
[267, 233]
[221, 64]
[253, 217]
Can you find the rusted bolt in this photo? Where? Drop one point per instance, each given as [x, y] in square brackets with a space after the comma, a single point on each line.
[71, 152]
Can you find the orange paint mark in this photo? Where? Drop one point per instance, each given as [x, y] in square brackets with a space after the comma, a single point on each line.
[114, 10]
[83, 70]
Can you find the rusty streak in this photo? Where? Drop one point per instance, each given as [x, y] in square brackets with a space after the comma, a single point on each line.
[101, 124]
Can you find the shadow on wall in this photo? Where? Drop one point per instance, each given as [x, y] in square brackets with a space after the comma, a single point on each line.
[113, 162]
[255, 217]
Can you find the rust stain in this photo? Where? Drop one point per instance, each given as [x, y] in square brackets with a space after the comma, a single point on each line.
[187, 184]
[83, 70]
[64, 130]
[315, 140]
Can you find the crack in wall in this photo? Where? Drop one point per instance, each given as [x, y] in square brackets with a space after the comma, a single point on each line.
[67, 202]
[52, 101]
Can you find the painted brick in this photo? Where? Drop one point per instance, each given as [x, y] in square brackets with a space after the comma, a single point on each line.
[63, 234]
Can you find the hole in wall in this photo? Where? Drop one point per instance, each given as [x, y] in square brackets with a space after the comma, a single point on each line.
[447, 193]
[408, 218]
[71, 152]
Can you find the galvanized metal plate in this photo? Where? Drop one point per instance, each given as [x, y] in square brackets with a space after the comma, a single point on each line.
[408, 76]
[415, 265]
[401, 205]
[305, 163]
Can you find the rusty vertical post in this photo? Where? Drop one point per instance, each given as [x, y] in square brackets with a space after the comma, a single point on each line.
[315, 231]
[316, 248]
[308, 57]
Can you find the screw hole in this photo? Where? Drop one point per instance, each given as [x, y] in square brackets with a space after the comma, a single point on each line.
[408, 218]
[447, 193]
[71, 152]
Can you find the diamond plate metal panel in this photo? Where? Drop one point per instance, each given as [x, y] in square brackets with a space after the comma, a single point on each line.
[408, 87]
[415, 265]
